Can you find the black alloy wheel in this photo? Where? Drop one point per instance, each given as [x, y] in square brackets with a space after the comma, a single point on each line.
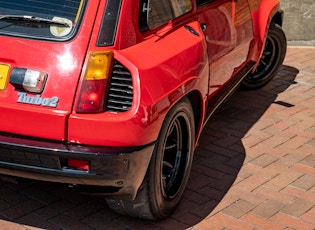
[169, 168]
[270, 61]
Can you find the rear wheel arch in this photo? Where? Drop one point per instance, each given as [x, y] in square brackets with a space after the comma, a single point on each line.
[264, 15]
[169, 169]
[197, 106]
[266, 12]
[278, 18]
[271, 59]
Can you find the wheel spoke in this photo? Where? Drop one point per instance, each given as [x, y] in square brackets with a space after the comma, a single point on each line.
[170, 146]
[267, 53]
[262, 62]
[173, 160]
[266, 62]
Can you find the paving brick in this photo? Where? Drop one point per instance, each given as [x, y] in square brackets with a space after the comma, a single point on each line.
[98, 221]
[297, 208]
[212, 193]
[309, 216]
[284, 125]
[170, 224]
[4, 205]
[199, 181]
[261, 222]
[297, 142]
[264, 160]
[268, 172]
[184, 208]
[22, 209]
[253, 182]
[239, 208]
[196, 197]
[202, 169]
[283, 180]
[256, 150]
[107, 213]
[189, 219]
[223, 184]
[311, 142]
[254, 139]
[53, 209]
[305, 182]
[32, 221]
[219, 165]
[66, 222]
[289, 159]
[252, 197]
[207, 224]
[268, 208]
[230, 222]
[277, 139]
[299, 193]
[11, 196]
[292, 222]
[224, 203]
[268, 193]
[307, 149]
[304, 169]
[85, 209]
[205, 209]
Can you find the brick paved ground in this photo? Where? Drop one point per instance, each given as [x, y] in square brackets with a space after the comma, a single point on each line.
[253, 169]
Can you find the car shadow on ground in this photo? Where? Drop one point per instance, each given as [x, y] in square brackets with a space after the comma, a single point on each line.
[217, 163]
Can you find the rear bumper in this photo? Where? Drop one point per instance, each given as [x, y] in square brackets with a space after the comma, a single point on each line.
[121, 170]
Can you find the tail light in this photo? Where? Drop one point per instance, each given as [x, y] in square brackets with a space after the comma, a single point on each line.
[93, 88]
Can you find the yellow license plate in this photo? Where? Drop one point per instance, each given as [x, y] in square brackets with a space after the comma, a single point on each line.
[4, 73]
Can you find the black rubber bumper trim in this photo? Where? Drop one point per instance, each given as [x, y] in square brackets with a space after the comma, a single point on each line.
[123, 168]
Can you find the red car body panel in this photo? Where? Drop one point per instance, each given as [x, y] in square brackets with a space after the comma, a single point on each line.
[228, 35]
[198, 55]
[62, 62]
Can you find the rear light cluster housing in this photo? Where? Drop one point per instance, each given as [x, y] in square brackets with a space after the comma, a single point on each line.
[106, 86]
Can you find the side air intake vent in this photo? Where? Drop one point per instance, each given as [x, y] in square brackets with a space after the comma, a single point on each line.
[120, 92]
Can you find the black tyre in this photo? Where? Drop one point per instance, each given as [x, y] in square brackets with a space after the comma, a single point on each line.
[271, 59]
[169, 168]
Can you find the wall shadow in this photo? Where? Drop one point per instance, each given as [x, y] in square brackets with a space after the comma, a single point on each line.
[217, 162]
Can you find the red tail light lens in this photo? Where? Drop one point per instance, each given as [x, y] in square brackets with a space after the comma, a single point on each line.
[92, 96]
[93, 88]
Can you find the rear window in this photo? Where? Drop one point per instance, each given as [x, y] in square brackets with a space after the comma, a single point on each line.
[41, 19]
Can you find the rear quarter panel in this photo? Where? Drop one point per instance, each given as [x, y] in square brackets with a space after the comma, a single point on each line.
[164, 68]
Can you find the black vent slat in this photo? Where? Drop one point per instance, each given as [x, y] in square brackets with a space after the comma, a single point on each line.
[120, 85]
[121, 102]
[120, 72]
[120, 96]
[120, 93]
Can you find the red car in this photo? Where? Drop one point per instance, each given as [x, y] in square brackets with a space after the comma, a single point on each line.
[112, 95]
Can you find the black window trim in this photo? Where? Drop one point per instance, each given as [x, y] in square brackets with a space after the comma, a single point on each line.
[111, 13]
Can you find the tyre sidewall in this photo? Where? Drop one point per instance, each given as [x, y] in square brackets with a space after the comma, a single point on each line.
[161, 206]
[277, 35]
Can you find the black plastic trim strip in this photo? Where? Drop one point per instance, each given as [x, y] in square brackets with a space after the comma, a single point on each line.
[220, 97]
[108, 30]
